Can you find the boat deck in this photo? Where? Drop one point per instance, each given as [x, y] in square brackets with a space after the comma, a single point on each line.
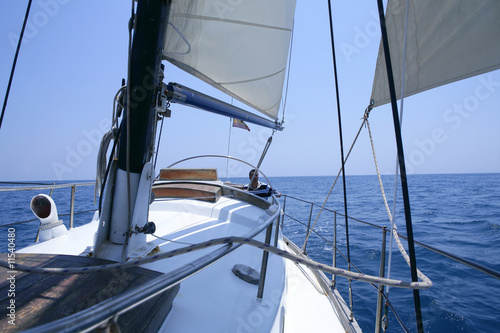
[310, 306]
[41, 299]
[216, 292]
[294, 299]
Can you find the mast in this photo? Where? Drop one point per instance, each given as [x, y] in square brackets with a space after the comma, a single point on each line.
[137, 128]
[143, 84]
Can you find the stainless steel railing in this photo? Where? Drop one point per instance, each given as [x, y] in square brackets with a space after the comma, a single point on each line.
[49, 187]
[109, 310]
[336, 251]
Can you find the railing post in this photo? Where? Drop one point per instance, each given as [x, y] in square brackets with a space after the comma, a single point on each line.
[380, 298]
[72, 206]
[308, 228]
[334, 277]
[284, 211]
[277, 230]
[263, 268]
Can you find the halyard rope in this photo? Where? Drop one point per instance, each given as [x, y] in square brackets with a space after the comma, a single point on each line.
[426, 282]
[394, 231]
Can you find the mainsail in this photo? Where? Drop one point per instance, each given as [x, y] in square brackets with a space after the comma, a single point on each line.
[239, 47]
[447, 40]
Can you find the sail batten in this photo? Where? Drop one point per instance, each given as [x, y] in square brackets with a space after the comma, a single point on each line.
[447, 41]
[240, 49]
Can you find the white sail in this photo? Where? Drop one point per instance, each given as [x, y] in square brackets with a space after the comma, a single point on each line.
[239, 47]
[447, 40]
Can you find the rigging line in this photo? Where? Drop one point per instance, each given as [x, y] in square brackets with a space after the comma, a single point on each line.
[117, 101]
[15, 62]
[391, 216]
[396, 173]
[341, 150]
[402, 166]
[102, 169]
[101, 160]
[335, 181]
[115, 137]
[288, 73]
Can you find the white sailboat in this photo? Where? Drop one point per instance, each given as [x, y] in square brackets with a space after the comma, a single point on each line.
[178, 250]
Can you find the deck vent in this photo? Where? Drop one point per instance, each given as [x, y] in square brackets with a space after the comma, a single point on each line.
[246, 273]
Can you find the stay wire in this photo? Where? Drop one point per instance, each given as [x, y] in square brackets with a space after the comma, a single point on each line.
[365, 118]
[7, 93]
[396, 173]
[341, 150]
[402, 165]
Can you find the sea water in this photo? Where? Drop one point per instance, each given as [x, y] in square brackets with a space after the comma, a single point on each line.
[457, 213]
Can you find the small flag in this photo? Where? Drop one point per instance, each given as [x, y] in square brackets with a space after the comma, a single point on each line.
[240, 124]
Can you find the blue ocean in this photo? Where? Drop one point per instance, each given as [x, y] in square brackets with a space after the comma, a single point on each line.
[456, 213]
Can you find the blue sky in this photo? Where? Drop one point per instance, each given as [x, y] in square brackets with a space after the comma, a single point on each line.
[75, 56]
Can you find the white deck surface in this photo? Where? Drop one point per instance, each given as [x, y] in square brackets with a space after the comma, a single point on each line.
[307, 308]
[216, 300]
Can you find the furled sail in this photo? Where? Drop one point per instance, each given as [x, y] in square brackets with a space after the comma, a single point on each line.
[447, 40]
[239, 47]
